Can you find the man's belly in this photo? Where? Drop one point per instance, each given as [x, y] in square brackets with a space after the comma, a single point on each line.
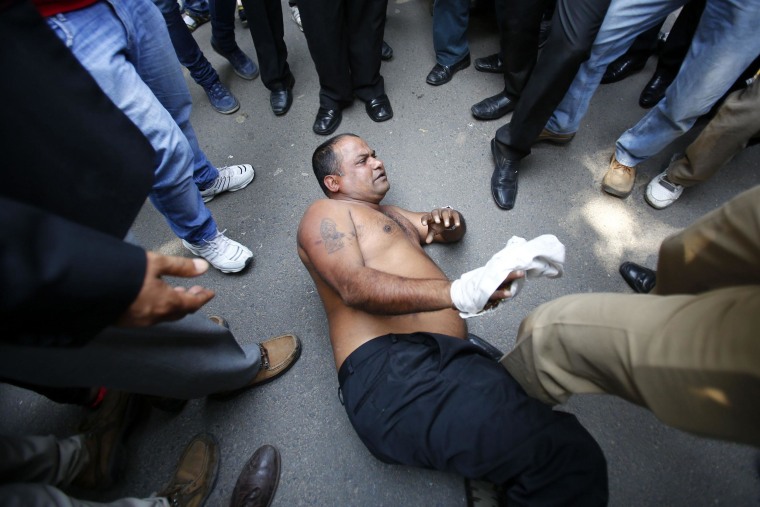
[350, 330]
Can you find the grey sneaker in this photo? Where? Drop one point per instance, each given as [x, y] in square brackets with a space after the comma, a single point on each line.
[224, 254]
[221, 98]
[230, 179]
[661, 192]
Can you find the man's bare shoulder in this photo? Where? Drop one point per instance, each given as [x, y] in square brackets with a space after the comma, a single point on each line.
[324, 218]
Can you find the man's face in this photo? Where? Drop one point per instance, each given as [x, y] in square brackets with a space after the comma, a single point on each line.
[362, 173]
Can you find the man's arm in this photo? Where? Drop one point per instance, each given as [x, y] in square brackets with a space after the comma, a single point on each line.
[441, 225]
[63, 282]
[327, 241]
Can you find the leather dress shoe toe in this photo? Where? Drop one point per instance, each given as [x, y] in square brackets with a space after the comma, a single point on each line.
[491, 63]
[258, 480]
[327, 121]
[442, 74]
[640, 279]
[503, 179]
[493, 108]
[386, 52]
[654, 90]
[281, 99]
[625, 66]
[379, 109]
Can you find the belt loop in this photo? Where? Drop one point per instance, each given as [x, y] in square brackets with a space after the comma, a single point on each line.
[340, 396]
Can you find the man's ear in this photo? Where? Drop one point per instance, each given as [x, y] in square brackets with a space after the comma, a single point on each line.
[332, 182]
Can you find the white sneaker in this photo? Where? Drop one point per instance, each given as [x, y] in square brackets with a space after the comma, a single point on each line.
[296, 15]
[230, 179]
[661, 192]
[224, 254]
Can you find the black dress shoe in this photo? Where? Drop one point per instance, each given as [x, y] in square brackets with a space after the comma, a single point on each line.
[491, 63]
[625, 66]
[327, 121]
[281, 99]
[442, 74]
[655, 90]
[493, 108]
[503, 179]
[379, 109]
[641, 279]
[386, 53]
[258, 480]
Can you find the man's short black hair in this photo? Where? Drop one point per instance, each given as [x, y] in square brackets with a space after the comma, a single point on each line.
[326, 161]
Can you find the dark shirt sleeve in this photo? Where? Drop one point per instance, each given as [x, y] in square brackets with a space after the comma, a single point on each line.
[62, 283]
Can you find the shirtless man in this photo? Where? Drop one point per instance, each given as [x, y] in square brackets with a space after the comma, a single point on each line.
[415, 389]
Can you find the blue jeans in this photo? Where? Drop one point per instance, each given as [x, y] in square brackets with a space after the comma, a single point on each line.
[127, 50]
[724, 44]
[188, 52]
[450, 20]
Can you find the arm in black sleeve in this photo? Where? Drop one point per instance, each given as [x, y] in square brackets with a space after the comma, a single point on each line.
[62, 282]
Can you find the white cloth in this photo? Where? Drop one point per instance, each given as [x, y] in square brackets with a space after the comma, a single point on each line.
[541, 256]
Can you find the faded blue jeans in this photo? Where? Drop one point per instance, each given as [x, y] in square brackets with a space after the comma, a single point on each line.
[724, 44]
[126, 49]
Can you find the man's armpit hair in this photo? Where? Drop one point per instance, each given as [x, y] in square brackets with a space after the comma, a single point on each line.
[331, 236]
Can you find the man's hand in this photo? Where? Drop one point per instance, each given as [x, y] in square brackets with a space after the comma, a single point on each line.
[503, 292]
[444, 223]
[160, 302]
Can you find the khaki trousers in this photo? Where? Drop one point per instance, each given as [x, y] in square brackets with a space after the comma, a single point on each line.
[736, 122]
[690, 352]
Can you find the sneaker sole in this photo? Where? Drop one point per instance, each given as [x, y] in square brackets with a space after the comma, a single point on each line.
[248, 263]
[656, 206]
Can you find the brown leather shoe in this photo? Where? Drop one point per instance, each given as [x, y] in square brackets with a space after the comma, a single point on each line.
[619, 179]
[196, 473]
[547, 136]
[105, 429]
[258, 480]
[277, 356]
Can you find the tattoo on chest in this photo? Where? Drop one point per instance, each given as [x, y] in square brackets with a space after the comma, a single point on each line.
[331, 237]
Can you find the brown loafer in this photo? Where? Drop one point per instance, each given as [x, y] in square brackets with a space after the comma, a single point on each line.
[277, 356]
[258, 480]
[196, 473]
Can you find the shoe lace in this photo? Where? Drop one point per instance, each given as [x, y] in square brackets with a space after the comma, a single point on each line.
[217, 90]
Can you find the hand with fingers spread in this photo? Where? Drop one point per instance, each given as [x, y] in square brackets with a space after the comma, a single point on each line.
[158, 301]
[445, 225]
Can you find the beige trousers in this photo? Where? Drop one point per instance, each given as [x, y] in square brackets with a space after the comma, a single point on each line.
[690, 352]
[736, 122]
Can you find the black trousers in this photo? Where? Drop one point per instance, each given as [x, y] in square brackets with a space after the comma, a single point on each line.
[574, 28]
[345, 39]
[268, 33]
[436, 401]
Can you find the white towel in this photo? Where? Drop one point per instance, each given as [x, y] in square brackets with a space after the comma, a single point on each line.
[541, 256]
